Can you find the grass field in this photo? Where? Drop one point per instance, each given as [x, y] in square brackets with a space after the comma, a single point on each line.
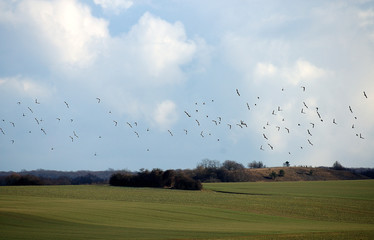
[278, 210]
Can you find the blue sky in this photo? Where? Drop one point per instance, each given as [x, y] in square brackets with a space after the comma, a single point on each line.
[128, 71]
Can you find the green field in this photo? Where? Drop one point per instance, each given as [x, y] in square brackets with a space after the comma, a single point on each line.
[276, 210]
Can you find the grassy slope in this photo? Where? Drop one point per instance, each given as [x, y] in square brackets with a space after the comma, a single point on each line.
[302, 174]
[280, 210]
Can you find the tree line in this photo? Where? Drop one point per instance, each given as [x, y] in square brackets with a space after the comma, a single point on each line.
[206, 171]
[156, 178]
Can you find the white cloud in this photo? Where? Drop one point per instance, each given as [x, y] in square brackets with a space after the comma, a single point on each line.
[158, 48]
[265, 70]
[115, 6]
[66, 30]
[303, 70]
[25, 87]
[165, 114]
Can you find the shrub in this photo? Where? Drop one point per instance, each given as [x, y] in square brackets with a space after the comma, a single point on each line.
[337, 166]
[186, 183]
[255, 164]
[281, 173]
[273, 175]
[18, 180]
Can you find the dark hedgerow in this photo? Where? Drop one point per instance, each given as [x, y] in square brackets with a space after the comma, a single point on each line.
[157, 179]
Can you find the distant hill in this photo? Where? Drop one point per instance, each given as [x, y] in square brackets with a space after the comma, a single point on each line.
[303, 174]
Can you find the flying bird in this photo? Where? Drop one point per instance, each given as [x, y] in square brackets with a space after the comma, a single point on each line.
[215, 122]
[288, 130]
[75, 134]
[185, 131]
[13, 124]
[137, 134]
[303, 88]
[350, 109]
[201, 134]
[361, 136]
[43, 131]
[12, 141]
[36, 101]
[305, 105]
[129, 124]
[262, 148]
[333, 121]
[309, 132]
[72, 139]
[67, 105]
[229, 125]
[98, 100]
[115, 123]
[59, 119]
[312, 125]
[187, 113]
[265, 136]
[310, 142]
[198, 123]
[302, 111]
[248, 107]
[365, 94]
[270, 146]
[243, 123]
[37, 121]
[170, 133]
[237, 92]
[30, 109]
[2, 131]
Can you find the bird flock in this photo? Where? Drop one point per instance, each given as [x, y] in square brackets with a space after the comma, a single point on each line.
[201, 122]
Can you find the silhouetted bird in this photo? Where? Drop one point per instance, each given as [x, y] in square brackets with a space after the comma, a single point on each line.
[187, 114]
[265, 136]
[305, 105]
[365, 94]
[43, 131]
[270, 146]
[98, 100]
[237, 92]
[67, 105]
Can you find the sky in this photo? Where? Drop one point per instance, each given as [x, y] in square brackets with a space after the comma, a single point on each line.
[122, 84]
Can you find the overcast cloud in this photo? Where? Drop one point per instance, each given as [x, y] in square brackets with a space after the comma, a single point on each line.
[113, 83]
